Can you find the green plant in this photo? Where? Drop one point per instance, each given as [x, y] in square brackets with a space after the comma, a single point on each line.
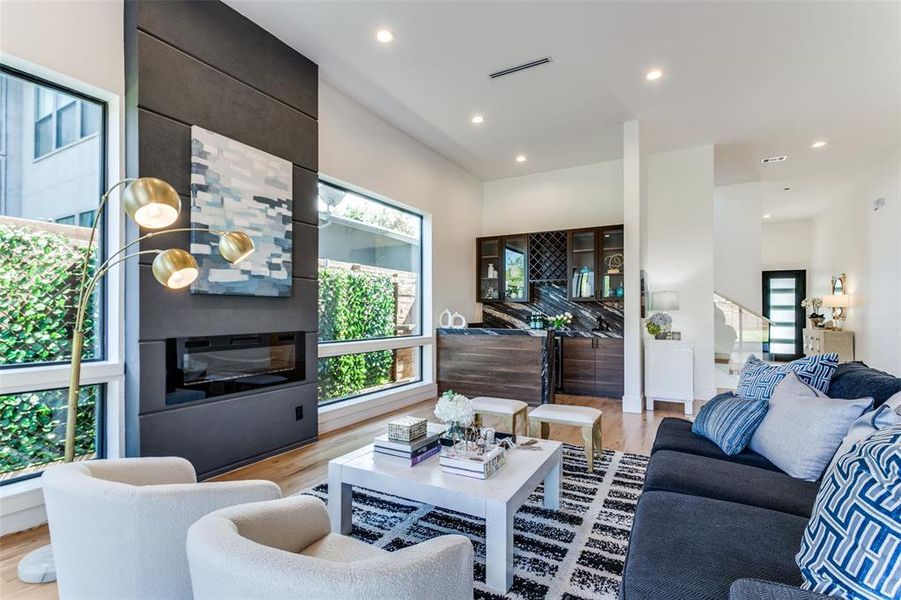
[355, 305]
[37, 275]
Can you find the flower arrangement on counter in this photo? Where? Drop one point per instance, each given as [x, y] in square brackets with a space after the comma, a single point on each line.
[659, 323]
[454, 408]
[560, 321]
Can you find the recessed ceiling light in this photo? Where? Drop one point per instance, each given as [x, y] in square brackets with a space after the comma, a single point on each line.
[521, 158]
[384, 36]
[818, 144]
[653, 75]
[478, 119]
[767, 216]
[773, 159]
[786, 188]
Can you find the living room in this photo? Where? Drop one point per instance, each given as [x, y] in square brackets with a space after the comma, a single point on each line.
[284, 248]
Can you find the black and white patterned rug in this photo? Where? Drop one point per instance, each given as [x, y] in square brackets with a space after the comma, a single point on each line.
[571, 554]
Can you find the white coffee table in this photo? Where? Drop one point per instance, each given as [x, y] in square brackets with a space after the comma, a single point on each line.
[495, 499]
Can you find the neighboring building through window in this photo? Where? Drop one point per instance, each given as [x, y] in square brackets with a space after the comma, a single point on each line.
[370, 288]
[61, 120]
[52, 166]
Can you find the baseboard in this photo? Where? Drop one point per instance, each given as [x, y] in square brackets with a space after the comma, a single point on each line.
[22, 506]
[633, 403]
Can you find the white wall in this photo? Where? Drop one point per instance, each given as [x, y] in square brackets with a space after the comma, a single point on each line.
[785, 246]
[358, 147]
[582, 196]
[681, 247]
[736, 244]
[851, 237]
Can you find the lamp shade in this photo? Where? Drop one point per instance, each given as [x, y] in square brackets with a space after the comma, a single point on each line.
[175, 268]
[837, 301]
[235, 246]
[665, 300]
[151, 202]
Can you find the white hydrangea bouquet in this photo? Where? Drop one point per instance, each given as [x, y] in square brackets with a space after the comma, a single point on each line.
[455, 409]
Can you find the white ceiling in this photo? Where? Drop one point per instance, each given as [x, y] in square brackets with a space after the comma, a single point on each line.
[754, 77]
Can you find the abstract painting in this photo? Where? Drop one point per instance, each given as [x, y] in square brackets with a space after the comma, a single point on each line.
[234, 186]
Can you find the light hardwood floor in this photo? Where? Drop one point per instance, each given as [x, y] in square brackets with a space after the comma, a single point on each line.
[298, 469]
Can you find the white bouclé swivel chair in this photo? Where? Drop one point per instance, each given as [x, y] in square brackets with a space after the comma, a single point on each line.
[283, 549]
[118, 527]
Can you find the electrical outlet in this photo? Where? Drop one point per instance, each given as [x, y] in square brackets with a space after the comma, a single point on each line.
[298, 413]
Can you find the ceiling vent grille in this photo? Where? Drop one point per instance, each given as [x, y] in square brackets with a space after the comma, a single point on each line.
[773, 159]
[518, 68]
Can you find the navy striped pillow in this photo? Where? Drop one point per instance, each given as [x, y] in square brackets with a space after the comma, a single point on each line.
[729, 421]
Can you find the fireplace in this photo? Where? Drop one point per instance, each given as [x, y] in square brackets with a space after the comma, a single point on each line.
[198, 368]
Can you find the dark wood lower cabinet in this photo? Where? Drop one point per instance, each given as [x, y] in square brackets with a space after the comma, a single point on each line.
[593, 366]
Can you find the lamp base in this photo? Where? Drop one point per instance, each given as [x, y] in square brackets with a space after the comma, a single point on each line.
[37, 566]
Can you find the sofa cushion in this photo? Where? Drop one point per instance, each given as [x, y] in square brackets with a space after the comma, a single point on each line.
[690, 547]
[804, 427]
[675, 434]
[729, 422]
[857, 380]
[851, 547]
[724, 480]
[758, 379]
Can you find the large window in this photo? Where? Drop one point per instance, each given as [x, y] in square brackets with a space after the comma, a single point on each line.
[370, 290]
[46, 212]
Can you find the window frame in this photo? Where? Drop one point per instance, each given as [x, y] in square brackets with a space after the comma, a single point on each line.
[421, 342]
[107, 370]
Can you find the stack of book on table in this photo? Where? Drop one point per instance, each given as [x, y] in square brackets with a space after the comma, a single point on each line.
[413, 452]
[470, 465]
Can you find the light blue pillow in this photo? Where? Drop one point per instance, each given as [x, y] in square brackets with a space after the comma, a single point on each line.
[758, 379]
[729, 422]
[804, 427]
[851, 546]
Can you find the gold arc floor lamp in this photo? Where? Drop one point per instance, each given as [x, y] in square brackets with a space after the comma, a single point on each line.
[152, 204]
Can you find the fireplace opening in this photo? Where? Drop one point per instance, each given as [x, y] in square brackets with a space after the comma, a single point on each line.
[198, 368]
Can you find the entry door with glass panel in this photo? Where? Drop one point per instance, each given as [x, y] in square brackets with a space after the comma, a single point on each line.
[782, 295]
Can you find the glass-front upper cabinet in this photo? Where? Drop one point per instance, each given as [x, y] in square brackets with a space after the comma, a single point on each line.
[489, 283]
[612, 263]
[516, 268]
[582, 262]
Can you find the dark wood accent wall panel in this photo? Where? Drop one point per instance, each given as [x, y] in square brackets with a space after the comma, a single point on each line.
[500, 366]
[202, 63]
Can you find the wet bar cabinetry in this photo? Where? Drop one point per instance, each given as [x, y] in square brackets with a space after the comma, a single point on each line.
[592, 366]
[587, 262]
[503, 269]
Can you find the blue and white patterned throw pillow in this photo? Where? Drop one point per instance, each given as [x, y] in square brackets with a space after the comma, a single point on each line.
[729, 422]
[758, 379]
[852, 544]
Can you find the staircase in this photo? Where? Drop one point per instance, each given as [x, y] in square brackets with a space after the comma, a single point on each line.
[738, 333]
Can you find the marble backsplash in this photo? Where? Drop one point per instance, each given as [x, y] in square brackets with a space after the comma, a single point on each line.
[550, 299]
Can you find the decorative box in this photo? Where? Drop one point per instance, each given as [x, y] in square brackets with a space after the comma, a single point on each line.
[407, 429]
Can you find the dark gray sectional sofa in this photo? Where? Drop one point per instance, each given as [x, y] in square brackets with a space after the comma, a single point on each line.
[714, 527]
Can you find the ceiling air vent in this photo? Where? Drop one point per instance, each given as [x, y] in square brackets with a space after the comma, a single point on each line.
[773, 159]
[522, 67]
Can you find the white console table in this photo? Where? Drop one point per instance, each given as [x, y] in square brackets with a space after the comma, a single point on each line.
[669, 372]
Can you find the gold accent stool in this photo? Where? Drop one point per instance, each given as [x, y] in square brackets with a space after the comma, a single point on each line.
[511, 411]
[584, 417]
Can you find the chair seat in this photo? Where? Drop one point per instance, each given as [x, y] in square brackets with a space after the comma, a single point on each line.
[499, 406]
[565, 414]
[341, 548]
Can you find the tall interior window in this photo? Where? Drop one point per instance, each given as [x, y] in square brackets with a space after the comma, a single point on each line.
[52, 169]
[370, 289]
